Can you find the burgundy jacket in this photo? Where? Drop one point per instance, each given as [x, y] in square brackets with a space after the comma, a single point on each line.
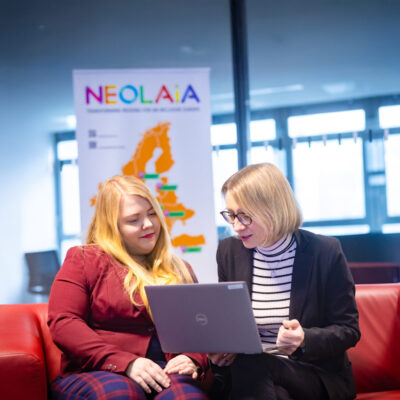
[92, 319]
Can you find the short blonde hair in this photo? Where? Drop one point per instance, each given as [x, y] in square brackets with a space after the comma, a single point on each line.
[263, 192]
[161, 266]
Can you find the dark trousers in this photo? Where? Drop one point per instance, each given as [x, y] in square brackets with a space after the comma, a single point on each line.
[269, 377]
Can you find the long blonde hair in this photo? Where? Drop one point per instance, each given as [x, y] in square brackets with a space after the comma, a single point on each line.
[161, 266]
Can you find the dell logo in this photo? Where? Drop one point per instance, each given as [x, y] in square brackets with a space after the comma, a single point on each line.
[201, 319]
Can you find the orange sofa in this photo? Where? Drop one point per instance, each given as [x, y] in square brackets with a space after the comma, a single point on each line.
[29, 360]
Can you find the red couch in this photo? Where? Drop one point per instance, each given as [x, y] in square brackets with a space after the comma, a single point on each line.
[29, 359]
[376, 358]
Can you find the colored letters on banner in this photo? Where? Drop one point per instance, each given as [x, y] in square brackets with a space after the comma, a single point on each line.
[155, 125]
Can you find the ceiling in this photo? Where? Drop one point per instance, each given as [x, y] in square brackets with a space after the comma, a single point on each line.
[299, 51]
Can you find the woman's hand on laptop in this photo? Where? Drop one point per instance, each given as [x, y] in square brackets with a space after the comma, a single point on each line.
[148, 375]
[221, 359]
[182, 365]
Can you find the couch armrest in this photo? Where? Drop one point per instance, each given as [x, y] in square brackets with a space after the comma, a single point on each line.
[376, 356]
[22, 363]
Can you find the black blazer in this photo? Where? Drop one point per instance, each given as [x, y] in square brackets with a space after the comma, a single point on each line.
[322, 300]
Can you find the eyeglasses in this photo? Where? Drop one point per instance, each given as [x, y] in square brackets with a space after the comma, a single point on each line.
[230, 217]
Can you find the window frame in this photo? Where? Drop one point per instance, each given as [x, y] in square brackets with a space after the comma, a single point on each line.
[58, 165]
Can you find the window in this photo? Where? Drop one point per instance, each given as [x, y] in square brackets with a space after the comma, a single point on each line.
[262, 130]
[68, 195]
[339, 230]
[225, 163]
[222, 134]
[344, 177]
[264, 145]
[261, 154]
[326, 123]
[328, 180]
[389, 116]
[328, 175]
[392, 166]
[70, 199]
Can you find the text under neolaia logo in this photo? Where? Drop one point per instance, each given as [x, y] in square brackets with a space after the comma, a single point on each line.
[131, 94]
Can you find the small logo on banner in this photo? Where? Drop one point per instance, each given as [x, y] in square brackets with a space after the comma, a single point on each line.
[201, 319]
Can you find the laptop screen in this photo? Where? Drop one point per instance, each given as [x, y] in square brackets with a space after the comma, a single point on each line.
[204, 318]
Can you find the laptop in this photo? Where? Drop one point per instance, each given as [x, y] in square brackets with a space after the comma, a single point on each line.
[205, 318]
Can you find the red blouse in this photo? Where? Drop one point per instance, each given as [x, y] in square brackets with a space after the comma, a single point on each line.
[92, 319]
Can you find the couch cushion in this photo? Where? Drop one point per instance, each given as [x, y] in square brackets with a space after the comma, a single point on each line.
[376, 357]
[392, 395]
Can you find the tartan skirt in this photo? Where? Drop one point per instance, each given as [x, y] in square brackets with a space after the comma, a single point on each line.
[102, 385]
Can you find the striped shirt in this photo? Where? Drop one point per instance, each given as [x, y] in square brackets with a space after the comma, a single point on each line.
[272, 281]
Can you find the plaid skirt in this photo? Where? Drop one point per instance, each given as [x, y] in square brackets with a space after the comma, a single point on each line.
[101, 385]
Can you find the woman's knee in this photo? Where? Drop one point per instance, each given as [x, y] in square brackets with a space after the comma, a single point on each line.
[182, 387]
[96, 385]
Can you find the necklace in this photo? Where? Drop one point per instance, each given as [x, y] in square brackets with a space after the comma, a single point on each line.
[272, 267]
[280, 249]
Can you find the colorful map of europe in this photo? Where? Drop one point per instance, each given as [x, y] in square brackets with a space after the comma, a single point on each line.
[174, 211]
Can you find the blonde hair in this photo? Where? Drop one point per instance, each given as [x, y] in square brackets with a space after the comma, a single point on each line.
[263, 192]
[161, 266]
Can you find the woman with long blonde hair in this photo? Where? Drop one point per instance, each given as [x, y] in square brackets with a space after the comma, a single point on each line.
[99, 315]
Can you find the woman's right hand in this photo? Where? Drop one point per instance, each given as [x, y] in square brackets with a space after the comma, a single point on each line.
[148, 375]
[221, 359]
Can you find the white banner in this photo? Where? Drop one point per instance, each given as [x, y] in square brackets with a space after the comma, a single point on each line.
[154, 124]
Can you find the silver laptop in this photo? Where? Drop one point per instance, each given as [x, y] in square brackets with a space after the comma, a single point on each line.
[205, 318]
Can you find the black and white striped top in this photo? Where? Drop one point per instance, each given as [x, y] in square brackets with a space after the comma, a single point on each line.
[272, 281]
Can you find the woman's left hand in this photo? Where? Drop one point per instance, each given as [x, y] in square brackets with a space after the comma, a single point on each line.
[182, 365]
[221, 359]
[290, 335]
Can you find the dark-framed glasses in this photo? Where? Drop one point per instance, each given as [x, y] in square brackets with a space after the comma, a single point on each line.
[230, 217]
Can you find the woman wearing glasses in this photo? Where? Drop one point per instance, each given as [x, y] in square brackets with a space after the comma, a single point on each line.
[301, 290]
